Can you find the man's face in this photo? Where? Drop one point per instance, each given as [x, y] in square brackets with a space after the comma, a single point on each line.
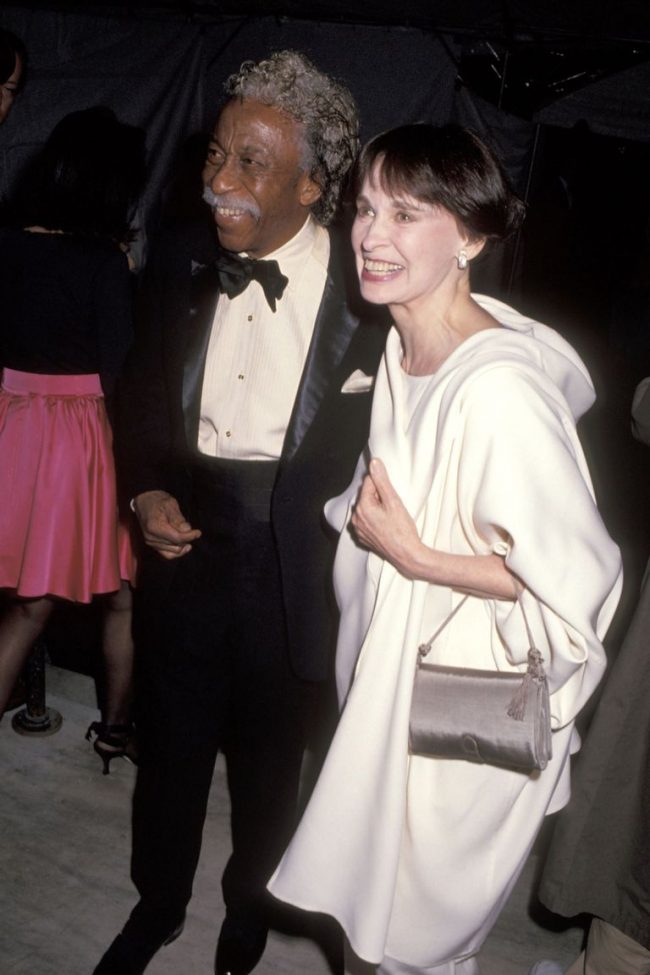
[9, 88]
[254, 169]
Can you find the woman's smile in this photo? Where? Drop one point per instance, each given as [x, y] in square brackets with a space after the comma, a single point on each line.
[374, 270]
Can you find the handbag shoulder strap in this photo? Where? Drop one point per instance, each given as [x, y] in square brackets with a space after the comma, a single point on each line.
[535, 659]
[424, 648]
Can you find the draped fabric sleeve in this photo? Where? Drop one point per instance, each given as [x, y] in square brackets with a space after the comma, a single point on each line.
[524, 492]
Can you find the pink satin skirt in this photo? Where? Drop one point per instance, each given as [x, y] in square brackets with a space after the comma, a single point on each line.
[59, 530]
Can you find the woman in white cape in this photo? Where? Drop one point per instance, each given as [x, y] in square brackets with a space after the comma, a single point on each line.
[474, 482]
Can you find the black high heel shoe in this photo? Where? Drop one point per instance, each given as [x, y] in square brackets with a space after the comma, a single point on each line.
[112, 741]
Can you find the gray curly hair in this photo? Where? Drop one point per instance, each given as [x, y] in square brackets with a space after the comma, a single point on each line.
[325, 109]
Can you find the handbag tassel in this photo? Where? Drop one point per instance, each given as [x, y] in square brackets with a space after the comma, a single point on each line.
[535, 672]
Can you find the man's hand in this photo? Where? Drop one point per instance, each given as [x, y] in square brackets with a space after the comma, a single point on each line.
[163, 524]
[381, 523]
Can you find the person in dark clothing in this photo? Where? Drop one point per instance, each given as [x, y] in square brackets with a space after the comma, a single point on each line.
[13, 65]
[599, 858]
[238, 431]
[65, 329]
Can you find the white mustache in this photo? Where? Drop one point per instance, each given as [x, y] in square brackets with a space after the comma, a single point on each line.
[215, 200]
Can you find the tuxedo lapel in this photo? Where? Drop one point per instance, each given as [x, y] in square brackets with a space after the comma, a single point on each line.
[334, 327]
[204, 296]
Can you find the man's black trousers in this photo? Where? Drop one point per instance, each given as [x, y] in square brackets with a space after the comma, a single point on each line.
[214, 674]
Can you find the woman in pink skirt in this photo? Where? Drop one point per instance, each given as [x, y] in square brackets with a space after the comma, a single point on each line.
[65, 328]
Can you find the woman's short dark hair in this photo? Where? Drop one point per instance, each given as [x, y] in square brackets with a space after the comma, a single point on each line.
[10, 47]
[87, 177]
[447, 166]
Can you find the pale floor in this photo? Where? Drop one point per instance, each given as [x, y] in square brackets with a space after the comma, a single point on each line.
[64, 862]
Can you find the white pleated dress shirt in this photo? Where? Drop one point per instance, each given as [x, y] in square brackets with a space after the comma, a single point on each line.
[256, 357]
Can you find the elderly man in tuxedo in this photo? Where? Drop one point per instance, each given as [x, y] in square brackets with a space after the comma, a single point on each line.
[241, 421]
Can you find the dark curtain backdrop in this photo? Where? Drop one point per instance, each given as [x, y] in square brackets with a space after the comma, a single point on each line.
[148, 73]
[167, 76]
[617, 106]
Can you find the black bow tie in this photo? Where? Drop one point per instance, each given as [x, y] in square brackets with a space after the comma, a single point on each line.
[236, 273]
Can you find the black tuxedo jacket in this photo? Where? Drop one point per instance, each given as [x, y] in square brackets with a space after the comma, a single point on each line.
[160, 402]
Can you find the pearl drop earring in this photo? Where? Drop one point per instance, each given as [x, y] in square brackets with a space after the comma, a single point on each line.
[461, 260]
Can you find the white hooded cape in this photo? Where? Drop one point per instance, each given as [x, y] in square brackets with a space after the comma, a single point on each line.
[415, 856]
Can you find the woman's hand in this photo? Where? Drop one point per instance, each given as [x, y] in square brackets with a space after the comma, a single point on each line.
[381, 523]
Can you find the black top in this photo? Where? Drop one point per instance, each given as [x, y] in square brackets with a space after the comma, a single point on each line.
[65, 305]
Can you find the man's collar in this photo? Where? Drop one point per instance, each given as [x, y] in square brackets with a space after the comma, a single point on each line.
[292, 253]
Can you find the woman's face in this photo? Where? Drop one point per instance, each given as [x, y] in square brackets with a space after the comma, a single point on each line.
[8, 90]
[405, 249]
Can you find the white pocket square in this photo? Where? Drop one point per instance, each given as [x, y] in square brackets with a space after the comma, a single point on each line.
[358, 382]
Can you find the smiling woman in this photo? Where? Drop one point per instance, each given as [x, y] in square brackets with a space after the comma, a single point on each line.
[13, 62]
[471, 401]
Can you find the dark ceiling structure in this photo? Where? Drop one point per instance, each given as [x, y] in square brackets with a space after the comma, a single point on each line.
[521, 55]
[498, 20]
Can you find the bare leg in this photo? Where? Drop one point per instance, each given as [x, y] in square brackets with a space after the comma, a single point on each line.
[21, 625]
[114, 733]
[117, 651]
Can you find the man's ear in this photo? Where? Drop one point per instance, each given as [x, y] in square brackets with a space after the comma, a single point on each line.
[309, 190]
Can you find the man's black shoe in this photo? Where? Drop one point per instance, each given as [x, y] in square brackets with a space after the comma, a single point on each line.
[121, 959]
[241, 945]
[130, 953]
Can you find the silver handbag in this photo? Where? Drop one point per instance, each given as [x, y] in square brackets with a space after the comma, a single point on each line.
[484, 716]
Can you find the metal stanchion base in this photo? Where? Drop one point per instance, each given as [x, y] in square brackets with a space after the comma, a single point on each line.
[26, 724]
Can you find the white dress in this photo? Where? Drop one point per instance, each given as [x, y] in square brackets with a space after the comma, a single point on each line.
[416, 856]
